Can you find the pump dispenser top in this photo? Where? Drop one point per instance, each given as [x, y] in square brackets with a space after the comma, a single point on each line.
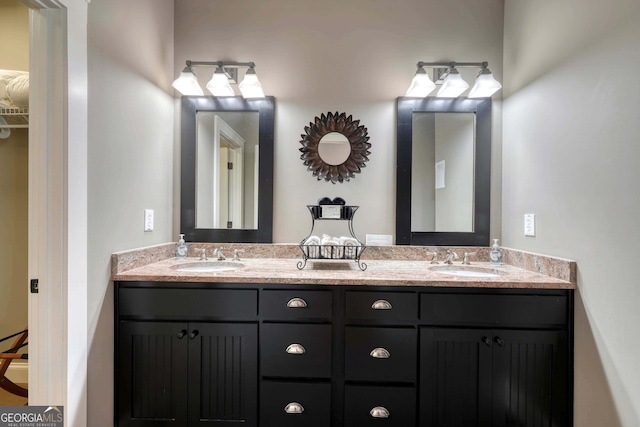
[181, 250]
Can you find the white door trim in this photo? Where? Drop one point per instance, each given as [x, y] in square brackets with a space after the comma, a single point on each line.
[58, 206]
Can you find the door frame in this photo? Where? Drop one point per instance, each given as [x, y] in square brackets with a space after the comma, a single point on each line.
[58, 206]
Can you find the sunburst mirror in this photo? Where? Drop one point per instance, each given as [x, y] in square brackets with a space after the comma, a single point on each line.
[335, 147]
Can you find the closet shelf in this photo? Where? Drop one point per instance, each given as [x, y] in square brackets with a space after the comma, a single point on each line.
[16, 118]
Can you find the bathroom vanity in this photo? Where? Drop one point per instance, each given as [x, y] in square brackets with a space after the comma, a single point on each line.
[397, 345]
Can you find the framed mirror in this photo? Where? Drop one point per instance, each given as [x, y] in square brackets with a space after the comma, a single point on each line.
[227, 169]
[443, 171]
[335, 147]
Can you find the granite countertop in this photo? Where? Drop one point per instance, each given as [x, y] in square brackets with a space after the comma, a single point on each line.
[158, 266]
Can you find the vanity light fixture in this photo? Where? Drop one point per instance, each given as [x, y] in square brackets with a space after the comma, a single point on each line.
[452, 84]
[220, 83]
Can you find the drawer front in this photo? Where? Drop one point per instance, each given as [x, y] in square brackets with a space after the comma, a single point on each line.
[493, 310]
[300, 351]
[367, 406]
[296, 305]
[383, 306]
[202, 304]
[285, 404]
[380, 354]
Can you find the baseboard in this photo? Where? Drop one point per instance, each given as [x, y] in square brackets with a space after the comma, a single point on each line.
[18, 372]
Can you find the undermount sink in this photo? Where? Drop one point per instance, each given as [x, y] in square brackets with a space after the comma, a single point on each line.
[209, 266]
[466, 271]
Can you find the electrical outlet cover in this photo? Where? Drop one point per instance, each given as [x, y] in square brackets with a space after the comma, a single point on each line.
[148, 220]
[529, 225]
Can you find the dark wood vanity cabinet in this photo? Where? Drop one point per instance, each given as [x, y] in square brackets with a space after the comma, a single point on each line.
[342, 356]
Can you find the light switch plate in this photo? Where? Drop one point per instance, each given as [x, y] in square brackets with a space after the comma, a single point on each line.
[148, 220]
[529, 225]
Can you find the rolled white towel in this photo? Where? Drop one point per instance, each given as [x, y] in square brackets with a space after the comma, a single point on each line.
[350, 246]
[330, 247]
[313, 246]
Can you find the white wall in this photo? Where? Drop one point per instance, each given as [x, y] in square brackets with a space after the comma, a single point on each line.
[14, 26]
[130, 159]
[571, 152]
[352, 56]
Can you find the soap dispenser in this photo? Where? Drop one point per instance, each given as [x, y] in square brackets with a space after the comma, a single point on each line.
[181, 250]
[496, 254]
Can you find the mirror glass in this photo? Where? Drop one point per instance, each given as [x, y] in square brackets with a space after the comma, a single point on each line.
[227, 165]
[442, 171]
[443, 180]
[334, 148]
[226, 169]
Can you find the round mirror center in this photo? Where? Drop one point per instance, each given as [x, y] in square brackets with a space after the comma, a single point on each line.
[334, 148]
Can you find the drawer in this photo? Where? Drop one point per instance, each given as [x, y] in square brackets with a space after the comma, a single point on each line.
[295, 351]
[383, 306]
[281, 403]
[492, 310]
[295, 305]
[380, 354]
[368, 405]
[202, 304]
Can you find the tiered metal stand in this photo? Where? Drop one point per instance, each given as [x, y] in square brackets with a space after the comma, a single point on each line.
[332, 252]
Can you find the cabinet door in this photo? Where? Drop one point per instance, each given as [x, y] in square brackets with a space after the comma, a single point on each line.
[152, 374]
[455, 377]
[529, 378]
[223, 374]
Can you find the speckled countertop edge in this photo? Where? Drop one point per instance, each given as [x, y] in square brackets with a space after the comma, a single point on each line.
[387, 265]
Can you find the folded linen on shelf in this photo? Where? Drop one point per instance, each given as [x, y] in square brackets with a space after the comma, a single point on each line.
[14, 87]
[350, 246]
[330, 247]
[312, 247]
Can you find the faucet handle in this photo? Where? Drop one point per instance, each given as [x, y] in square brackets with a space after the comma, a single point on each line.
[236, 257]
[465, 260]
[434, 257]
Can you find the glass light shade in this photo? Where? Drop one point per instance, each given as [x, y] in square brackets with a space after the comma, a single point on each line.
[421, 85]
[219, 84]
[453, 85]
[486, 85]
[187, 83]
[250, 86]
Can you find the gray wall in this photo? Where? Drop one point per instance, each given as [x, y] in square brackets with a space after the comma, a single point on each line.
[14, 55]
[333, 55]
[130, 159]
[571, 152]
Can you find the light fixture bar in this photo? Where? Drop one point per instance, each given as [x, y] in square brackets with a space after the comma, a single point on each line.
[447, 75]
[250, 87]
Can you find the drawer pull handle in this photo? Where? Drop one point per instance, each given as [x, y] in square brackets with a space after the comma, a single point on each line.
[296, 349]
[380, 353]
[499, 341]
[381, 304]
[182, 333]
[294, 408]
[297, 303]
[194, 334]
[486, 341]
[379, 412]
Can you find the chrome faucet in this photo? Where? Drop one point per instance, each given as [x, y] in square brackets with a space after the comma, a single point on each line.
[434, 257]
[465, 258]
[451, 255]
[218, 252]
[236, 257]
[203, 255]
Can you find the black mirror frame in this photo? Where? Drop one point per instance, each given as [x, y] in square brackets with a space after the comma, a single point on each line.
[266, 114]
[406, 106]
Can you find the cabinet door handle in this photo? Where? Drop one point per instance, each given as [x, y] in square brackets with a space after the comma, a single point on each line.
[381, 304]
[296, 349]
[297, 303]
[499, 341]
[486, 341]
[182, 333]
[379, 412]
[194, 334]
[380, 353]
[294, 408]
